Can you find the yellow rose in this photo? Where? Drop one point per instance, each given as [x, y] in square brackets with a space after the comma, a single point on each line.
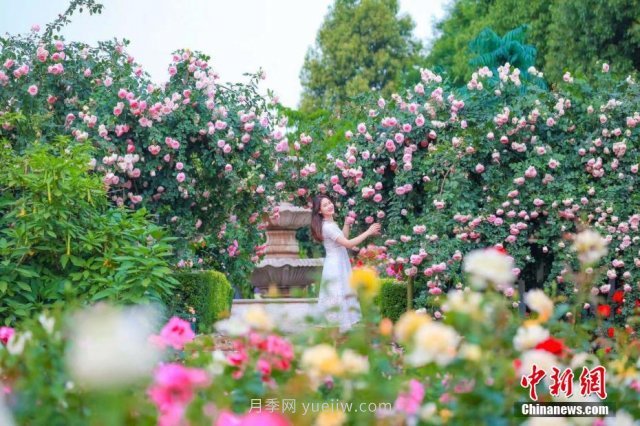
[539, 302]
[365, 281]
[408, 324]
[257, 318]
[322, 360]
[331, 418]
[354, 363]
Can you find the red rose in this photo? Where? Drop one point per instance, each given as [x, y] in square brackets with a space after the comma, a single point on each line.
[604, 310]
[500, 249]
[555, 346]
[618, 296]
[610, 332]
[517, 364]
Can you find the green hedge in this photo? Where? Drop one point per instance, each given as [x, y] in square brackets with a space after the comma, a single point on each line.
[392, 299]
[208, 292]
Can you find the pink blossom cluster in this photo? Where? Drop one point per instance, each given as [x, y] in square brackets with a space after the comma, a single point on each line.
[273, 353]
[173, 389]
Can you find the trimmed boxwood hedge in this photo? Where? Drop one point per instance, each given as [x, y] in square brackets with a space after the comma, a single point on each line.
[208, 292]
[392, 299]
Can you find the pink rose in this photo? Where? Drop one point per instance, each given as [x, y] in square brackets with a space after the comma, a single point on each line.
[181, 177]
[253, 418]
[6, 333]
[33, 90]
[176, 333]
[173, 389]
[409, 402]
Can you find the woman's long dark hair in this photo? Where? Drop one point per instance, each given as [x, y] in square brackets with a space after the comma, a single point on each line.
[316, 216]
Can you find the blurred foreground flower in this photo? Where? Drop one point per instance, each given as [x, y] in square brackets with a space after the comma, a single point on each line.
[110, 347]
[365, 281]
[489, 266]
[6, 333]
[408, 324]
[434, 342]
[254, 418]
[173, 390]
[5, 414]
[258, 318]
[320, 361]
[590, 246]
[464, 302]
[331, 418]
[175, 333]
[539, 302]
[409, 402]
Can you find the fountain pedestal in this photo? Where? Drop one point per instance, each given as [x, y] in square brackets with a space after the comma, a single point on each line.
[282, 266]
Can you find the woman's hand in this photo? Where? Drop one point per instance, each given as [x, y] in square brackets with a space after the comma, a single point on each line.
[374, 229]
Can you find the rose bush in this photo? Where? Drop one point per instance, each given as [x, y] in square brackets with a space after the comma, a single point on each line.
[447, 170]
[197, 153]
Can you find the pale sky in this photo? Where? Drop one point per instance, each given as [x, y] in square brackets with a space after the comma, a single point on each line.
[239, 36]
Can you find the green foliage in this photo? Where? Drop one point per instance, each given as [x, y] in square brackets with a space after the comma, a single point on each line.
[208, 293]
[60, 240]
[393, 298]
[362, 45]
[582, 32]
[568, 35]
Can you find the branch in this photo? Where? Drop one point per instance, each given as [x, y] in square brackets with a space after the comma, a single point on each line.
[63, 18]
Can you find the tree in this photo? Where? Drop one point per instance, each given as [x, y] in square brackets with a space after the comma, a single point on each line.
[584, 31]
[467, 19]
[494, 51]
[362, 45]
[568, 35]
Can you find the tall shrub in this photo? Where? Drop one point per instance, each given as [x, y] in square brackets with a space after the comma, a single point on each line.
[61, 241]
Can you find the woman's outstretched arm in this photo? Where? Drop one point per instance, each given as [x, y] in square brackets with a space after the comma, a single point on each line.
[346, 228]
[354, 242]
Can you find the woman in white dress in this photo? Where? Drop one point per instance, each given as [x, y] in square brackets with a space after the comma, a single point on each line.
[337, 302]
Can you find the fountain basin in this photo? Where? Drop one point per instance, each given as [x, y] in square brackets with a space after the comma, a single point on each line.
[286, 274]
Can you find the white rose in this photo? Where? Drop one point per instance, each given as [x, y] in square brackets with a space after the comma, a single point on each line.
[590, 246]
[434, 342]
[489, 265]
[539, 302]
[529, 337]
[110, 346]
[543, 360]
[466, 302]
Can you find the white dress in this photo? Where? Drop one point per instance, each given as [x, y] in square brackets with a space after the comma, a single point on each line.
[337, 302]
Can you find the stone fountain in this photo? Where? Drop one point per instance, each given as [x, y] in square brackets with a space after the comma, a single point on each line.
[282, 266]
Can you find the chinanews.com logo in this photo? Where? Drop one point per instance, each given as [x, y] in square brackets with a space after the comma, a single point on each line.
[591, 383]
